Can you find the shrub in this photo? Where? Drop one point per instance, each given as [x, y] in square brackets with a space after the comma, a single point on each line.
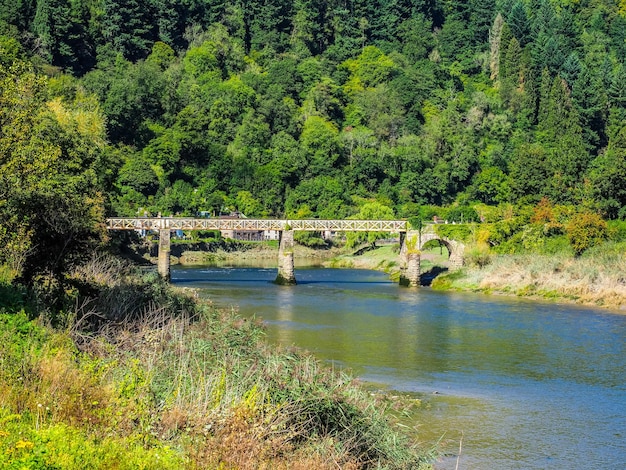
[617, 230]
[310, 239]
[455, 232]
[557, 245]
[478, 256]
[462, 214]
[586, 230]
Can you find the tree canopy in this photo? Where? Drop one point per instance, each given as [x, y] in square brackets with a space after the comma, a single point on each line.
[302, 108]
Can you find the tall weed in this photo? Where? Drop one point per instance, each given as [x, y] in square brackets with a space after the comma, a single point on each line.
[142, 368]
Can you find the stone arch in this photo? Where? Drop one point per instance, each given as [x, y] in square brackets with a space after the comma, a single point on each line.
[455, 248]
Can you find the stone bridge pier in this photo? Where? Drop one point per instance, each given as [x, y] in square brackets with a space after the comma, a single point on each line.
[412, 244]
[163, 260]
[286, 271]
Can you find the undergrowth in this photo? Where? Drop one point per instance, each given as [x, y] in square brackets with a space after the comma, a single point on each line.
[595, 278]
[148, 377]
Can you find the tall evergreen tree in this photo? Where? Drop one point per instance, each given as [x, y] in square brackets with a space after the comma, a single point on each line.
[617, 101]
[128, 27]
[529, 172]
[590, 99]
[571, 69]
[510, 80]
[482, 14]
[608, 177]
[505, 39]
[269, 23]
[519, 23]
[560, 131]
[495, 44]
[52, 26]
[544, 19]
[618, 36]
[17, 13]
[530, 93]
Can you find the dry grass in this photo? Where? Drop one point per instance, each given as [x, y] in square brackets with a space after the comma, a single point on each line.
[596, 279]
[149, 365]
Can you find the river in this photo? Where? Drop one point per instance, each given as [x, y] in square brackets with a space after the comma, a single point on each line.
[505, 383]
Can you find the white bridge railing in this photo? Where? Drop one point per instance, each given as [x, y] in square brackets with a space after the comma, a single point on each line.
[183, 223]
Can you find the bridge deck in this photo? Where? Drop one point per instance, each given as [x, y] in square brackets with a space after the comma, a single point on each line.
[184, 223]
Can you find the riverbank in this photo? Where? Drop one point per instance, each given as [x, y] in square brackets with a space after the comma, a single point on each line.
[143, 375]
[234, 252]
[596, 279]
[387, 259]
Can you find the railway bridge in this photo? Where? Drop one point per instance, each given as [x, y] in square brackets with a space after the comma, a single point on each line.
[411, 241]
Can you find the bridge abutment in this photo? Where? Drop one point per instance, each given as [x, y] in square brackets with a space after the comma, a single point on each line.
[286, 271]
[457, 250]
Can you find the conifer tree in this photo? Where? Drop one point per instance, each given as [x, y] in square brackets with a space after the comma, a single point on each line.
[527, 115]
[510, 80]
[495, 44]
[52, 25]
[128, 27]
[608, 177]
[590, 100]
[519, 23]
[561, 133]
[505, 39]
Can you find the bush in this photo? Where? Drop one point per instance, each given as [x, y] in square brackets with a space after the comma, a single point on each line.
[478, 256]
[557, 245]
[310, 239]
[617, 230]
[462, 214]
[586, 230]
[455, 232]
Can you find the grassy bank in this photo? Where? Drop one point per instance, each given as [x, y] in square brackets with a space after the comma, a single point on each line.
[598, 278]
[139, 375]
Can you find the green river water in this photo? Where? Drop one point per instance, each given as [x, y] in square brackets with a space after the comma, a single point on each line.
[505, 383]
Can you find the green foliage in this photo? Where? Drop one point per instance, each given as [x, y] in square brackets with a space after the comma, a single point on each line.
[51, 155]
[461, 232]
[263, 98]
[323, 196]
[462, 214]
[310, 239]
[369, 69]
[372, 210]
[617, 230]
[61, 446]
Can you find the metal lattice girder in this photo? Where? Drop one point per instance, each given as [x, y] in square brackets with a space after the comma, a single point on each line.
[316, 225]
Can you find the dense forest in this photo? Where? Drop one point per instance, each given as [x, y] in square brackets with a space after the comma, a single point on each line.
[304, 109]
[507, 112]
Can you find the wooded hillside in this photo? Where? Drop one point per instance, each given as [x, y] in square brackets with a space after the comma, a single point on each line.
[313, 109]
